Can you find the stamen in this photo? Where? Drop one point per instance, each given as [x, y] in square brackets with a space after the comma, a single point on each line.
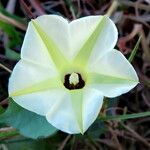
[73, 81]
[74, 78]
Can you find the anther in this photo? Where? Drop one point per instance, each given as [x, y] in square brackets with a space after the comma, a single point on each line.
[74, 79]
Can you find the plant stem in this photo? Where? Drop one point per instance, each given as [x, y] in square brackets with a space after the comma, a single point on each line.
[112, 8]
[12, 21]
[5, 68]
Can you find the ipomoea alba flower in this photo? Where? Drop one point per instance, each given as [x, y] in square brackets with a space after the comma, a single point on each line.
[66, 69]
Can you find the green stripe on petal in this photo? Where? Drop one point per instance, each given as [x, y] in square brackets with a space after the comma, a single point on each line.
[41, 86]
[77, 102]
[58, 58]
[96, 78]
[84, 53]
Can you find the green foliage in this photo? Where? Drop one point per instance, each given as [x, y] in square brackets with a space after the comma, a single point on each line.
[97, 128]
[1, 109]
[125, 116]
[132, 55]
[12, 54]
[11, 32]
[28, 123]
[15, 40]
[6, 13]
[8, 133]
[21, 143]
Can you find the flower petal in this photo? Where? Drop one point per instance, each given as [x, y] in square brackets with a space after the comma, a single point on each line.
[28, 78]
[113, 75]
[25, 74]
[61, 114]
[40, 102]
[77, 110]
[71, 37]
[57, 29]
[58, 58]
[92, 103]
[92, 36]
[34, 50]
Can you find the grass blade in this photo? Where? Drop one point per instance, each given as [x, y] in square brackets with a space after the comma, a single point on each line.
[132, 55]
[125, 117]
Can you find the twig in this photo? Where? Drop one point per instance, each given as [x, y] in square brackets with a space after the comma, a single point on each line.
[37, 6]
[3, 57]
[136, 135]
[26, 10]
[9, 8]
[123, 40]
[112, 8]
[141, 19]
[8, 132]
[93, 142]
[12, 21]
[71, 8]
[3, 147]
[4, 102]
[5, 68]
[73, 143]
[6, 129]
[64, 142]
[107, 142]
[118, 146]
[145, 45]
[132, 4]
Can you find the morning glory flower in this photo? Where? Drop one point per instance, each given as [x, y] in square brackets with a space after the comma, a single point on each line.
[67, 68]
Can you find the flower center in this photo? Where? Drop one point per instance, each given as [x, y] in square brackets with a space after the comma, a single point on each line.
[73, 81]
[74, 78]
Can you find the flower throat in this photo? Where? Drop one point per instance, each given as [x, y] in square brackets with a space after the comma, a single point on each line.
[73, 81]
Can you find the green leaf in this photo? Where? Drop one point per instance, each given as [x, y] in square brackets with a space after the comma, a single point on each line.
[22, 143]
[12, 54]
[1, 109]
[28, 123]
[12, 33]
[6, 134]
[132, 55]
[125, 117]
[6, 13]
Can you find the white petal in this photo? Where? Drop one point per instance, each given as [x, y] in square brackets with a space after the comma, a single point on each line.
[92, 103]
[82, 28]
[70, 37]
[114, 65]
[56, 28]
[26, 74]
[62, 116]
[34, 50]
[76, 111]
[57, 105]
[40, 102]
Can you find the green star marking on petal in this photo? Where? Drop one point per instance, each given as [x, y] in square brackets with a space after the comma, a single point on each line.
[56, 55]
[96, 78]
[41, 86]
[85, 51]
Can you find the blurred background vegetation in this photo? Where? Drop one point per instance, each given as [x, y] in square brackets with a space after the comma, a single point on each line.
[114, 129]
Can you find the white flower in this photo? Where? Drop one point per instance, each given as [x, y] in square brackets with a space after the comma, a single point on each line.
[66, 69]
